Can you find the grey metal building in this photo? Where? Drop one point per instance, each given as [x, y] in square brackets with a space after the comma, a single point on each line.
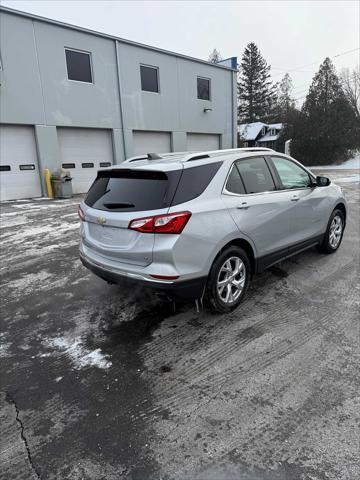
[81, 99]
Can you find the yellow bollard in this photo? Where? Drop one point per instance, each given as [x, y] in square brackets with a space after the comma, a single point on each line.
[48, 183]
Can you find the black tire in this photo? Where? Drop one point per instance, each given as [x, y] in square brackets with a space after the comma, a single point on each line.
[326, 246]
[212, 296]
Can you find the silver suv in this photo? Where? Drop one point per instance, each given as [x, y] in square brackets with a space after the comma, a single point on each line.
[202, 224]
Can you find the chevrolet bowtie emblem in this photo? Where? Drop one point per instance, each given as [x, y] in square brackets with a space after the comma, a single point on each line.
[101, 220]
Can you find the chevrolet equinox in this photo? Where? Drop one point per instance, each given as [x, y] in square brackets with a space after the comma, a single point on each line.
[202, 224]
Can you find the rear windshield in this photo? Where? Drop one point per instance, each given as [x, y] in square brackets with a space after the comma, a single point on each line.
[132, 190]
[138, 190]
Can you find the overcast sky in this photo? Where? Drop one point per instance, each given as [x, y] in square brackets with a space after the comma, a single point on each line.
[293, 36]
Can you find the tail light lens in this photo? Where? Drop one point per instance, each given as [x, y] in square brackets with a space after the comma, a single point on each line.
[81, 214]
[172, 223]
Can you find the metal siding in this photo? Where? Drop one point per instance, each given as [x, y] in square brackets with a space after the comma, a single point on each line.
[115, 100]
[17, 147]
[82, 145]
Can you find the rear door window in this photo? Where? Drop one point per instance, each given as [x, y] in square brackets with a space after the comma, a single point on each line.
[132, 190]
[256, 175]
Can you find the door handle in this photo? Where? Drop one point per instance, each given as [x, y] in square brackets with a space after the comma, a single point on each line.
[243, 206]
[295, 198]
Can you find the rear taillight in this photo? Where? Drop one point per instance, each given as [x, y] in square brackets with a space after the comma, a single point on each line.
[81, 214]
[171, 223]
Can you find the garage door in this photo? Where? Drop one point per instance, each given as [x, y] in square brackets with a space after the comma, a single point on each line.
[19, 169]
[151, 142]
[202, 142]
[83, 151]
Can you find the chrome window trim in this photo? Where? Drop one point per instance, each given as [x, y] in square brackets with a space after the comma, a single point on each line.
[226, 192]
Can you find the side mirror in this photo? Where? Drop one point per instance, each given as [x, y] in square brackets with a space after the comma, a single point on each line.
[322, 181]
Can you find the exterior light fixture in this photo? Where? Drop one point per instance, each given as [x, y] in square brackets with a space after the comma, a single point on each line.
[206, 110]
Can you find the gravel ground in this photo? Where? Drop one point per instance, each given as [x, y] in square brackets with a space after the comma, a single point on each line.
[110, 382]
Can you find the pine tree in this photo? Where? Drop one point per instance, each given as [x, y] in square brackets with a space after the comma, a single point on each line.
[215, 56]
[255, 89]
[327, 129]
[324, 91]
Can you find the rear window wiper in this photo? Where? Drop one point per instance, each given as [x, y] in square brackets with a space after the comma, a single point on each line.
[115, 205]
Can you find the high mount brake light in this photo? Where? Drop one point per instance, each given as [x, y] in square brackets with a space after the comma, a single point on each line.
[173, 223]
[81, 214]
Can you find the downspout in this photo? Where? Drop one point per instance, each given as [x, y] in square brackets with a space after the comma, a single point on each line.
[234, 109]
[120, 100]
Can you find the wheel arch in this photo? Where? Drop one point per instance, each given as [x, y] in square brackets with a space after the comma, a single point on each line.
[245, 245]
[341, 206]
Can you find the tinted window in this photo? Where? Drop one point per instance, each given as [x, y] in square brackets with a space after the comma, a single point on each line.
[291, 175]
[78, 66]
[5, 168]
[234, 183]
[87, 165]
[68, 165]
[203, 88]
[256, 175]
[193, 182]
[132, 190]
[105, 164]
[149, 78]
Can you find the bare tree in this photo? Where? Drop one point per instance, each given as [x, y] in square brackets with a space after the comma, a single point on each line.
[215, 56]
[350, 81]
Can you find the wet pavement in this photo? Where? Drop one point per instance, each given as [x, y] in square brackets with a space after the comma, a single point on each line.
[110, 382]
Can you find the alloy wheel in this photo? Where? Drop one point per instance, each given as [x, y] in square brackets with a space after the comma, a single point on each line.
[231, 280]
[335, 231]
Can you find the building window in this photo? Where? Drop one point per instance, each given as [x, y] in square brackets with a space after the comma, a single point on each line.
[203, 88]
[78, 66]
[263, 131]
[149, 78]
[273, 131]
[246, 144]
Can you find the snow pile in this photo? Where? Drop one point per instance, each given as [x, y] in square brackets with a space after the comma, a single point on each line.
[352, 163]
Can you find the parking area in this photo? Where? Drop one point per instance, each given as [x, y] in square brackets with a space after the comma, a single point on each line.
[112, 382]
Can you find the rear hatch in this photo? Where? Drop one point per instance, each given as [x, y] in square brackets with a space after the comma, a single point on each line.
[118, 196]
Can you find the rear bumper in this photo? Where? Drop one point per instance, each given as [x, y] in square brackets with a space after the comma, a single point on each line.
[186, 289]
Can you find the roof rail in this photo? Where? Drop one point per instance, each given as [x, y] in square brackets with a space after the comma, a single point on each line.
[214, 153]
[188, 156]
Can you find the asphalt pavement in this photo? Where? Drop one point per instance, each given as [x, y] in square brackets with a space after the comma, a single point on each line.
[105, 382]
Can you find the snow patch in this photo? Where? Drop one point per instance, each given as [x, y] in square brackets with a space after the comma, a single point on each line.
[349, 179]
[348, 165]
[80, 356]
[51, 231]
[27, 284]
[4, 350]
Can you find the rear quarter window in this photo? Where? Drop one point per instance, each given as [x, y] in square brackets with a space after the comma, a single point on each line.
[194, 181]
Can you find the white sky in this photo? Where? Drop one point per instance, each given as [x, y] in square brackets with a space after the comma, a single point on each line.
[290, 34]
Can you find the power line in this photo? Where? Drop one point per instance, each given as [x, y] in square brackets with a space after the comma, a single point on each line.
[316, 63]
